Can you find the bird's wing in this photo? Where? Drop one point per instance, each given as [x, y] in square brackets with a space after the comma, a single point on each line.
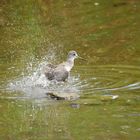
[60, 74]
[49, 71]
[51, 66]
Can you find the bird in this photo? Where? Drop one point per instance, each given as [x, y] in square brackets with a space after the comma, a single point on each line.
[61, 72]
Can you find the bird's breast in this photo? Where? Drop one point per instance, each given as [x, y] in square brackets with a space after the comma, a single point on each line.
[68, 68]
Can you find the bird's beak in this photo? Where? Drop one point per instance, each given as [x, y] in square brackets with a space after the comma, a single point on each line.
[82, 58]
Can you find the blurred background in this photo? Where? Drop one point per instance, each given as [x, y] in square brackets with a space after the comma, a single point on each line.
[34, 33]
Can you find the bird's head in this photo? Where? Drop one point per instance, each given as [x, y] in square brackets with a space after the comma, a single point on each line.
[72, 55]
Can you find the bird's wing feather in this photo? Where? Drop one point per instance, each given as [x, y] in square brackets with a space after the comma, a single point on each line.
[57, 72]
[51, 66]
[49, 71]
[60, 74]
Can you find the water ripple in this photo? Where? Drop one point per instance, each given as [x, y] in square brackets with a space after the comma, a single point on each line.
[110, 77]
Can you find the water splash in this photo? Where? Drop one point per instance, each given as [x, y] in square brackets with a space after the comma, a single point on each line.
[35, 85]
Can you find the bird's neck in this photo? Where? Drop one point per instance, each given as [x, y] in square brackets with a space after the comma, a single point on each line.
[69, 64]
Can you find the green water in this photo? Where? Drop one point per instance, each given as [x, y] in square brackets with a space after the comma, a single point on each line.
[106, 33]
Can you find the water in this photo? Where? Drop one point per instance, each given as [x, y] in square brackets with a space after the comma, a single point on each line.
[106, 87]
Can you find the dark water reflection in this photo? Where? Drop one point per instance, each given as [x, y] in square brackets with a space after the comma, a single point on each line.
[35, 33]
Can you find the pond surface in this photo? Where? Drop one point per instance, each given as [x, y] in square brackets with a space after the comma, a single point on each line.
[34, 33]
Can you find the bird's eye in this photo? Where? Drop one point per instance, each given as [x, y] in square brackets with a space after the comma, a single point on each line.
[73, 54]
